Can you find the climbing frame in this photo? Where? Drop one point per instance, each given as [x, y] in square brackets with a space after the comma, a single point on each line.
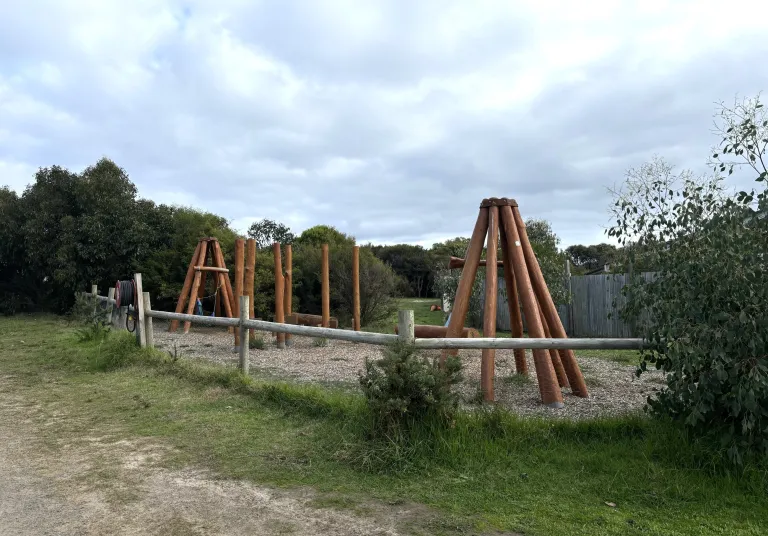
[499, 220]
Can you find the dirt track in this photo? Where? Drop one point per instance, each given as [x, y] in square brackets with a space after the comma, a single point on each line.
[101, 484]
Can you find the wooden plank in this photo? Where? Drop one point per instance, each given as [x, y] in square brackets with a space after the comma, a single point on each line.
[531, 344]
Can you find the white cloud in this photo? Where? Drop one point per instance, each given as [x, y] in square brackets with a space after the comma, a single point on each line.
[389, 119]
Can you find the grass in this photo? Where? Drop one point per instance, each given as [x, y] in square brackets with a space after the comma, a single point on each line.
[491, 472]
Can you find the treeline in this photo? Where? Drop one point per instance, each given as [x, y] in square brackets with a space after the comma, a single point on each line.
[69, 230]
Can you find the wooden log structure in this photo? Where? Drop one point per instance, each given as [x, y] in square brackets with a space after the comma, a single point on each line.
[250, 272]
[356, 288]
[499, 219]
[424, 331]
[304, 319]
[211, 269]
[458, 262]
[239, 280]
[279, 293]
[195, 282]
[288, 287]
[325, 287]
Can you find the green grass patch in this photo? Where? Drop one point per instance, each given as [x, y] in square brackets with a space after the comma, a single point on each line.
[491, 471]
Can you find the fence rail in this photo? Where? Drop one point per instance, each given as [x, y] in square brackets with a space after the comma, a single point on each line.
[145, 314]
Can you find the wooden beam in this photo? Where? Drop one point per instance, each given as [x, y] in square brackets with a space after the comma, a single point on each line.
[239, 278]
[551, 395]
[464, 290]
[356, 288]
[187, 285]
[243, 330]
[405, 327]
[279, 293]
[325, 287]
[139, 290]
[250, 274]
[487, 363]
[457, 262]
[288, 287]
[211, 269]
[423, 331]
[195, 284]
[513, 304]
[575, 378]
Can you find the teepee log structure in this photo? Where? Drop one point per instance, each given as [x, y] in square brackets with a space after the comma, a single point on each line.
[196, 279]
[499, 220]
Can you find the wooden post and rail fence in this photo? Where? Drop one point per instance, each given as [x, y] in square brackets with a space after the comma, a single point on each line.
[405, 331]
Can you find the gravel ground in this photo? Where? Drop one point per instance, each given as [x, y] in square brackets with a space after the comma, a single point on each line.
[613, 388]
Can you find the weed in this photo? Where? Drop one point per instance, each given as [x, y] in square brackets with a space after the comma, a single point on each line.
[320, 342]
[256, 343]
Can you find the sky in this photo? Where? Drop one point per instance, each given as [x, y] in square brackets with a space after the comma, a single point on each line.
[389, 119]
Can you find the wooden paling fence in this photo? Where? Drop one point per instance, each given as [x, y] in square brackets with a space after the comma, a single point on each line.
[145, 333]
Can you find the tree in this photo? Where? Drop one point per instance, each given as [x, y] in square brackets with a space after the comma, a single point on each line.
[588, 258]
[705, 314]
[324, 234]
[267, 232]
[12, 284]
[413, 263]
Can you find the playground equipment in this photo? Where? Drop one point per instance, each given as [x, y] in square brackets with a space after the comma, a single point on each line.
[196, 279]
[500, 221]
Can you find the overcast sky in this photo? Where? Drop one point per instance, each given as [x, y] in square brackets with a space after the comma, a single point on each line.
[390, 119]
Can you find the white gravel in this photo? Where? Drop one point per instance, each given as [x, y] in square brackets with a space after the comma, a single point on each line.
[613, 387]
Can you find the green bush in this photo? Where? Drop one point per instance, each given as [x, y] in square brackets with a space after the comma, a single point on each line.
[89, 316]
[705, 312]
[257, 343]
[404, 388]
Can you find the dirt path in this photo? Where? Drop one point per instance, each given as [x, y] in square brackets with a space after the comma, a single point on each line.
[99, 484]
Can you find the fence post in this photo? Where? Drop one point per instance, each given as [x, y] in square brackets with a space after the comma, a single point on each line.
[149, 329]
[569, 288]
[405, 327]
[95, 290]
[140, 331]
[110, 316]
[244, 341]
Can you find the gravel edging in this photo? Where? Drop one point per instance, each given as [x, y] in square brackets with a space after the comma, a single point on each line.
[613, 388]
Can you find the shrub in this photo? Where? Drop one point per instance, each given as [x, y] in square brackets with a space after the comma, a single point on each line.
[256, 343]
[706, 310]
[403, 388]
[320, 342]
[90, 317]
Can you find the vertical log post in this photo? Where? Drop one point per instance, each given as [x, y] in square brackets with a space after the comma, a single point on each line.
[187, 285]
[230, 305]
[487, 365]
[468, 274]
[140, 327]
[148, 327]
[195, 283]
[239, 278]
[575, 378]
[356, 288]
[288, 288]
[250, 273]
[513, 303]
[562, 377]
[95, 290]
[569, 289]
[551, 395]
[217, 299]
[244, 343]
[325, 288]
[279, 294]
[405, 327]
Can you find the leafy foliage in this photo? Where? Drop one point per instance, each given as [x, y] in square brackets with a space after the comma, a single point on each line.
[706, 312]
[403, 388]
[90, 319]
[413, 263]
[593, 257]
[267, 232]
